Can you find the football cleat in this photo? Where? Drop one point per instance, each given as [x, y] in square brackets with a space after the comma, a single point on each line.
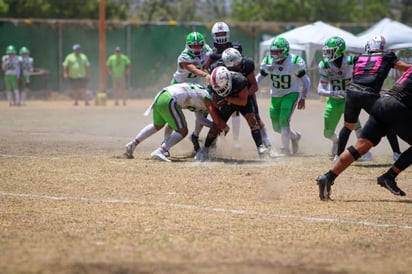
[325, 187]
[262, 152]
[390, 184]
[158, 154]
[202, 155]
[130, 147]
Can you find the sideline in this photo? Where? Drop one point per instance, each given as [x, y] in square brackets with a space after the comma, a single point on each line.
[209, 209]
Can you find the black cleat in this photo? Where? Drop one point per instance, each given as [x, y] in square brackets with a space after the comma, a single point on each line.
[325, 189]
[390, 184]
[195, 142]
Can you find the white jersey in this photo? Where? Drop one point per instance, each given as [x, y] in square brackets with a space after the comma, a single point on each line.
[11, 65]
[338, 78]
[285, 76]
[26, 65]
[189, 96]
[182, 75]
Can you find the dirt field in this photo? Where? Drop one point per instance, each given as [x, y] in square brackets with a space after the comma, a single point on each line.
[70, 203]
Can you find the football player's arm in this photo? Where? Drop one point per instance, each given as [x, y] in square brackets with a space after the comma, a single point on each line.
[260, 76]
[193, 69]
[220, 124]
[241, 99]
[402, 66]
[253, 85]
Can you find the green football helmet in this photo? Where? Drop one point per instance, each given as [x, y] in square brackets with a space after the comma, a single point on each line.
[24, 50]
[10, 49]
[279, 49]
[195, 42]
[333, 49]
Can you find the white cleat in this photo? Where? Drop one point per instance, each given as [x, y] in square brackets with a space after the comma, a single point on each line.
[158, 154]
[262, 152]
[396, 156]
[130, 147]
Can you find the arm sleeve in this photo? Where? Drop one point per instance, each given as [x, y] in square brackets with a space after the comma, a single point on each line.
[259, 77]
[306, 83]
[323, 89]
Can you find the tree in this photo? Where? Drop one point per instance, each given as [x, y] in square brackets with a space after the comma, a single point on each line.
[353, 11]
[62, 9]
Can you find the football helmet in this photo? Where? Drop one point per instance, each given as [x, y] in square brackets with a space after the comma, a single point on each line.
[375, 44]
[195, 42]
[221, 81]
[333, 49]
[220, 33]
[24, 50]
[231, 57]
[279, 49]
[10, 49]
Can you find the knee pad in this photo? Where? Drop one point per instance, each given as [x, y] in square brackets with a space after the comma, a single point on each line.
[355, 154]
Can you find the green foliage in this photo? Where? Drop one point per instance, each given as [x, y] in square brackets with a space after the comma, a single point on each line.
[62, 9]
[310, 10]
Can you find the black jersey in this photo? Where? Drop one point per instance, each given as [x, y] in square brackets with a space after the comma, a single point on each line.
[402, 90]
[371, 70]
[216, 56]
[239, 82]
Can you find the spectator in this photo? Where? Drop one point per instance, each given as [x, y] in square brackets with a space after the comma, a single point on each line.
[76, 68]
[118, 66]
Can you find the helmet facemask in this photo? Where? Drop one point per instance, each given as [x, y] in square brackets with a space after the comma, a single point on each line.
[220, 33]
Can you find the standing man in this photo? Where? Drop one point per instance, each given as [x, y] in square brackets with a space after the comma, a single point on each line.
[369, 72]
[335, 70]
[118, 66]
[26, 68]
[76, 68]
[290, 85]
[12, 69]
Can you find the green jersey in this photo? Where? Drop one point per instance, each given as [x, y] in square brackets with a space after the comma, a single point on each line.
[76, 65]
[118, 64]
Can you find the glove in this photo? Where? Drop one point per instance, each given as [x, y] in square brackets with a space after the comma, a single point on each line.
[338, 93]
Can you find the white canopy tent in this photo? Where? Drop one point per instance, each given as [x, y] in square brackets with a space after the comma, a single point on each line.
[397, 35]
[312, 37]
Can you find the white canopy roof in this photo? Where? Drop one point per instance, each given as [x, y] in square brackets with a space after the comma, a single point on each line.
[397, 35]
[312, 37]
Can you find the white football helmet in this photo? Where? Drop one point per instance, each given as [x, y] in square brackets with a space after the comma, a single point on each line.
[231, 57]
[220, 33]
[221, 81]
[375, 44]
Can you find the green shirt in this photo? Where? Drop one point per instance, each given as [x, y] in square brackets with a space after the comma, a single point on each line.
[76, 65]
[118, 64]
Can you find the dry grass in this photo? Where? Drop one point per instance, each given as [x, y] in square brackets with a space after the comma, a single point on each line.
[71, 204]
